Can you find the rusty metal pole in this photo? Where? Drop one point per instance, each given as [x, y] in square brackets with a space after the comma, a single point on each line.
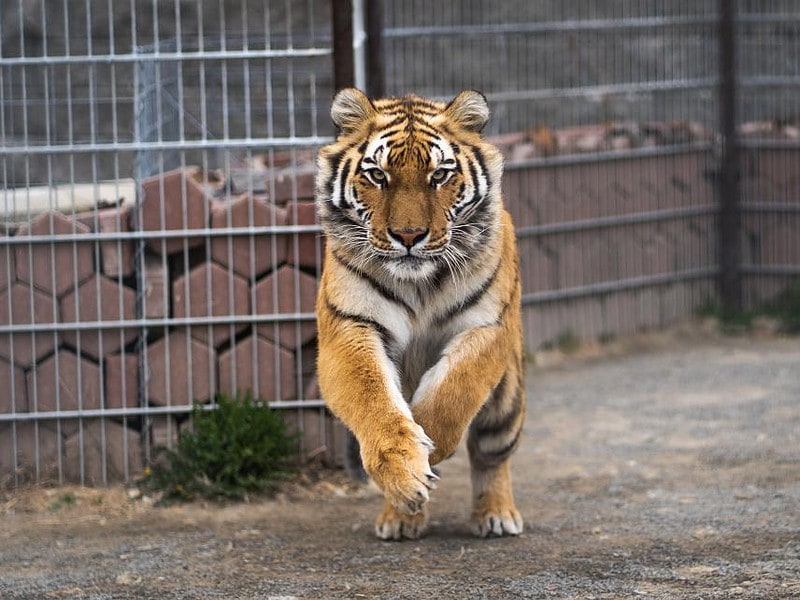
[343, 60]
[376, 76]
[728, 189]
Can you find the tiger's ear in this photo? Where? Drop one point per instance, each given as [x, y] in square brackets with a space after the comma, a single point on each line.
[469, 110]
[350, 109]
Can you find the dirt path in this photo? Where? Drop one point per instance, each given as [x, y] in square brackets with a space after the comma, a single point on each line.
[665, 474]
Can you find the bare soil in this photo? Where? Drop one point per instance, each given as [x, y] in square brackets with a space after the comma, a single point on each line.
[664, 466]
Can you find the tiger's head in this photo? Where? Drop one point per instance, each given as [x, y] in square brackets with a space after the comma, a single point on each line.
[409, 186]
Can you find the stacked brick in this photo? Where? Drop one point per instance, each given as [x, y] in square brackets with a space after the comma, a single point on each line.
[45, 283]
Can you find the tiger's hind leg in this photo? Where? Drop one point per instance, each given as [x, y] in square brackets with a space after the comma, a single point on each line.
[391, 524]
[493, 437]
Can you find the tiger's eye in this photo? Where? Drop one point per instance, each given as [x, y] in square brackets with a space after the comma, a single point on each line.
[439, 175]
[377, 174]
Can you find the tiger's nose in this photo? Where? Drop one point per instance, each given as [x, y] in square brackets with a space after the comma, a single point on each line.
[409, 236]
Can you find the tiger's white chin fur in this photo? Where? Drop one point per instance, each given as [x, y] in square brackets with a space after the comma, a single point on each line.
[410, 270]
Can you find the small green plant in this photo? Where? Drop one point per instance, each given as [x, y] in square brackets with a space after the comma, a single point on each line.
[785, 309]
[63, 500]
[567, 342]
[240, 448]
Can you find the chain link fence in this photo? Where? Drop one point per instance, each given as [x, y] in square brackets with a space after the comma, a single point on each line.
[158, 240]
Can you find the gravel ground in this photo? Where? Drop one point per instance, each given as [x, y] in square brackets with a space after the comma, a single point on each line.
[667, 473]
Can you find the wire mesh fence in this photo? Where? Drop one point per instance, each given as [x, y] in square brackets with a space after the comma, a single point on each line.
[159, 244]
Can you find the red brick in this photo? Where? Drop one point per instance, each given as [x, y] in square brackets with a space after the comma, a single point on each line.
[12, 384]
[28, 305]
[178, 199]
[295, 292]
[212, 291]
[179, 375]
[291, 184]
[122, 372]
[99, 299]
[57, 266]
[7, 271]
[110, 452]
[305, 249]
[266, 379]
[267, 251]
[64, 382]
[31, 440]
[156, 287]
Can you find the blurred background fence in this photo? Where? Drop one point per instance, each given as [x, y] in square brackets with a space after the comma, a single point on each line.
[159, 243]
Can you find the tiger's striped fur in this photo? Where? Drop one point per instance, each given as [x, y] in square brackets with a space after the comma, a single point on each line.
[419, 304]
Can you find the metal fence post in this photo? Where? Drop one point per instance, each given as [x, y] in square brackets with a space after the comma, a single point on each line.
[376, 75]
[343, 57]
[728, 189]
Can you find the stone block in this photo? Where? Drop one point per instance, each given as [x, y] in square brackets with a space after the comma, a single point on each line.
[165, 430]
[99, 299]
[156, 287]
[64, 382]
[178, 199]
[22, 304]
[304, 249]
[181, 370]
[116, 256]
[12, 383]
[54, 267]
[208, 290]
[21, 444]
[260, 367]
[122, 372]
[288, 290]
[7, 271]
[109, 451]
[266, 252]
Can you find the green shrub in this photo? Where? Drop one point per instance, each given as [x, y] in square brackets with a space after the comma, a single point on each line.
[239, 448]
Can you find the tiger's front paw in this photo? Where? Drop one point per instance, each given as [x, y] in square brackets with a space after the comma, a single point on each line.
[401, 469]
[394, 525]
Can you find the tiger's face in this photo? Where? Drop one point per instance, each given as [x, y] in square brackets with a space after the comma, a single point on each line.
[409, 186]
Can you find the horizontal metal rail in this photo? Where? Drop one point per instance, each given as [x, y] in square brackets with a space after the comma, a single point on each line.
[620, 285]
[141, 411]
[617, 220]
[600, 91]
[152, 322]
[141, 57]
[574, 25]
[550, 26]
[182, 145]
[166, 234]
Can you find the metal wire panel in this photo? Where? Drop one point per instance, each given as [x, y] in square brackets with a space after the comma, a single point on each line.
[159, 245]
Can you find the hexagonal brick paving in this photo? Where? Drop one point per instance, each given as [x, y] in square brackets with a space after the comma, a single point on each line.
[21, 444]
[110, 452]
[267, 251]
[122, 373]
[304, 249]
[27, 305]
[260, 367]
[177, 199]
[12, 388]
[64, 382]
[116, 256]
[287, 291]
[178, 371]
[7, 271]
[54, 267]
[212, 291]
[99, 299]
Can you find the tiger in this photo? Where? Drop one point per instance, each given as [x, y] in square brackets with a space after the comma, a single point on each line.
[418, 306]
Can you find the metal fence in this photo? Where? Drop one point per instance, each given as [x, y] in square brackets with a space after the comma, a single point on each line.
[159, 243]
